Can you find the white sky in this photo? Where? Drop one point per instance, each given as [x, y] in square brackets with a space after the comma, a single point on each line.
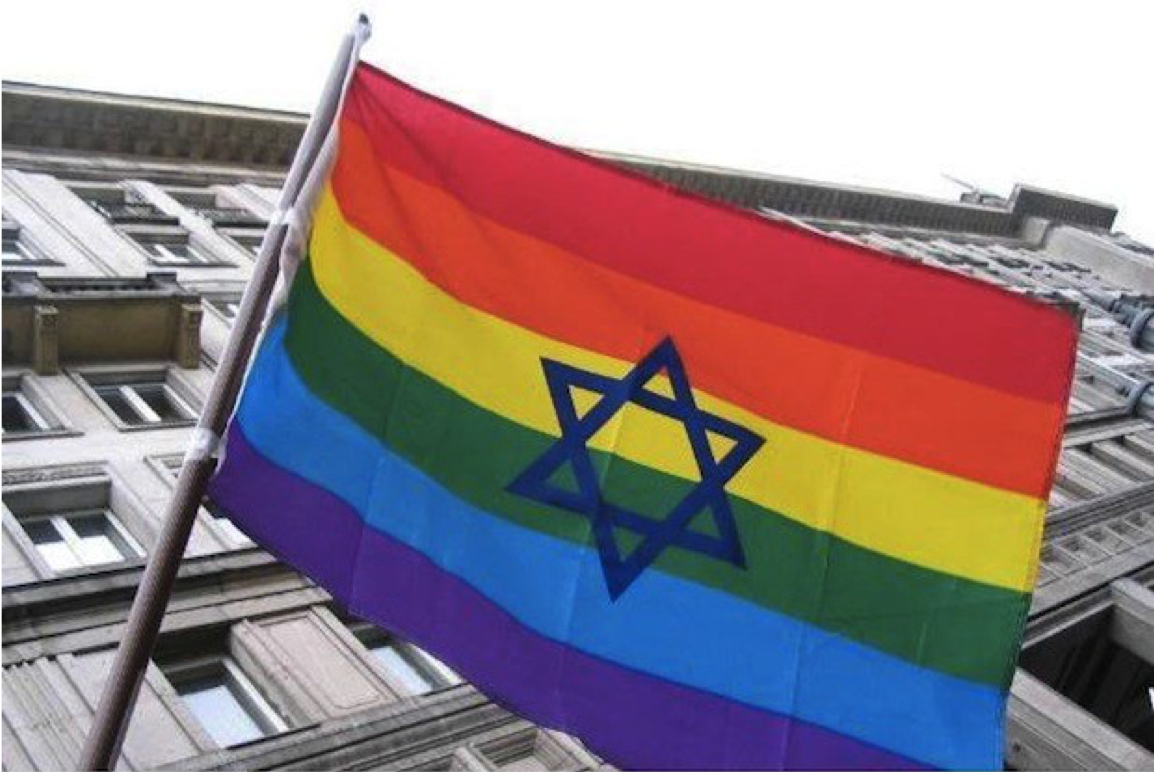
[884, 94]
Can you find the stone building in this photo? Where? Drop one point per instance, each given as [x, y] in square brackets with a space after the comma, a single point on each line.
[129, 230]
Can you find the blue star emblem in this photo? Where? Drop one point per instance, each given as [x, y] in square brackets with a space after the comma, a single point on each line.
[657, 531]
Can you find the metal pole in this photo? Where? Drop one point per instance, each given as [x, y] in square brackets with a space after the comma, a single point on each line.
[102, 745]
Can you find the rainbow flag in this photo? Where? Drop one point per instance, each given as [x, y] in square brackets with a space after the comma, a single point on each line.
[702, 489]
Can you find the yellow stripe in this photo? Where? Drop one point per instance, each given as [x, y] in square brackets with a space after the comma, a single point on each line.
[908, 512]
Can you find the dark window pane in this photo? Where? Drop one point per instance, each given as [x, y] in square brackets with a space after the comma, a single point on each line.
[14, 252]
[157, 398]
[42, 532]
[16, 419]
[113, 397]
[51, 545]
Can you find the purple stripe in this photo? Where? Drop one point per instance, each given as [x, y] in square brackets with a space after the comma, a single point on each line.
[632, 719]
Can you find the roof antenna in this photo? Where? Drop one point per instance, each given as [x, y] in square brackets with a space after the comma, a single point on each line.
[973, 194]
[969, 187]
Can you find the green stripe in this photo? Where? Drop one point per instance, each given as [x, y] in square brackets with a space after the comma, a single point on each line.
[937, 620]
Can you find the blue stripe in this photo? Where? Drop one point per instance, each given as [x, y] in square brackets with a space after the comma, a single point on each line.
[671, 628]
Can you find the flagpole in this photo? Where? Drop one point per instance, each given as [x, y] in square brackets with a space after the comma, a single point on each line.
[102, 745]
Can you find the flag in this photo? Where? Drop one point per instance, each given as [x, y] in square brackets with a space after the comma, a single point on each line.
[702, 489]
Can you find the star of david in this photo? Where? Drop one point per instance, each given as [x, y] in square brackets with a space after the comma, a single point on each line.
[658, 531]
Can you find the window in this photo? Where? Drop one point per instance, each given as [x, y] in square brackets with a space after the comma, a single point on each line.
[225, 702]
[68, 520]
[1089, 661]
[247, 239]
[231, 216]
[27, 410]
[418, 672]
[17, 251]
[415, 678]
[148, 401]
[170, 251]
[225, 306]
[80, 539]
[21, 417]
[216, 208]
[194, 198]
[120, 206]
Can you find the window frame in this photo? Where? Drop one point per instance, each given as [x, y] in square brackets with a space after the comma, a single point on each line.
[30, 394]
[439, 675]
[1075, 654]
[130, 393]
[13, 234]
[40, 422]
[182, 672]
[61, 524]
[104, 197]
[236, 236]
[152, 243]
[15, 244]
[72, 488]
[193, 198]
[144, 236]
[90, 191]
[177, 390]
[218, 303]
[68, 492]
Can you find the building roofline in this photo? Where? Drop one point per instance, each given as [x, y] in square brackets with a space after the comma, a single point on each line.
[46, 91]
[631, 159]
[61, 120]
[54, 120]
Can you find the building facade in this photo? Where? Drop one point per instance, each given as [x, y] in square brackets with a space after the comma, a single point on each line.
[130, 226]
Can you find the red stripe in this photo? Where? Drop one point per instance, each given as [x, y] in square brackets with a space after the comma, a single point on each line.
[784, 275]
[971, 431]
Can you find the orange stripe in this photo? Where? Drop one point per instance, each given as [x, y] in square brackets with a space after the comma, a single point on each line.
[839, 393]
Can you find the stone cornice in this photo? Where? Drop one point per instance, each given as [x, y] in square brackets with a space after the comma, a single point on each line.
[46, 128]
[813, 200]
[53, 119]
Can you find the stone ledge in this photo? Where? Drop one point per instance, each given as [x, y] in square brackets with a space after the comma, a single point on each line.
[376, 738]
[80, 593]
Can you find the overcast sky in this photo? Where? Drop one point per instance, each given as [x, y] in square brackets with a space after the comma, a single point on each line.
[882, 94]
